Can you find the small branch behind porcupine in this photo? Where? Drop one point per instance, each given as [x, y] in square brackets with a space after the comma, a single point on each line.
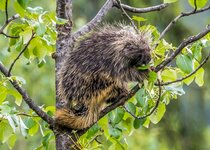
[153, 109]
[142, 10]
[182, 45]
[129, 18]
[183, 14]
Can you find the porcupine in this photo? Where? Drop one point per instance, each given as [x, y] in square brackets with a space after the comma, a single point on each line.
[97, 71]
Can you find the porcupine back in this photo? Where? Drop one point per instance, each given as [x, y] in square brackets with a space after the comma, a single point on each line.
[98, 70]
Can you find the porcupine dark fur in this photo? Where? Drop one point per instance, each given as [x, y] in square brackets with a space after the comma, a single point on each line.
[97, 71]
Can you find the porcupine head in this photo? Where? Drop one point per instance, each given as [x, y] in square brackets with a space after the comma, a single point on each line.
[97, 72]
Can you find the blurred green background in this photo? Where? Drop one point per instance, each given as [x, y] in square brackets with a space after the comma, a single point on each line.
[186, 124]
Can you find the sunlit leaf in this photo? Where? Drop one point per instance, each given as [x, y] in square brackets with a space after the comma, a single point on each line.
[33, 130]
[169, 1]
[185, 63]
[158, 114]
[11, 141]
[199, 3]
[19, 9]
[168, 75]
[115, 132]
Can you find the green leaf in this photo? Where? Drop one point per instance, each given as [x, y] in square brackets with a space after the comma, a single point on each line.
[199, 3]
[23, 3]
[139, 97]
[189, 80]
[176, 89]
[32, 131]
[138, 122]
[12, 123]
[169, 1]
[17, 96]
[11, 141]
[39, 51]
[131, 107]
[118, 115]
[139, 19]
[3, 94]
[23, 128]
[46, 139]
[26, 35]
[93, 130]
[41, 29]
[196, 50]
[5, 131]
[168, 75]
[152, 76]
[185, 63]
[158, 114]
[115, 132]
[19, 9]
[2, 5]
[199, 76]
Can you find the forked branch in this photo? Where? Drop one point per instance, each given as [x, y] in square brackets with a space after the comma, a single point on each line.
[27, 99]
[186, 42]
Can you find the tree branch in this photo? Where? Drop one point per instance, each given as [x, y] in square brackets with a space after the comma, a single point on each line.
[8, 21]
[9, 36]
[129, 18]
[142, 10]
[95, 21]
[181, 46]
[23, 50]
[189, 75]
[6, 10]
[183, 14]
[27, 99]
[153, 109]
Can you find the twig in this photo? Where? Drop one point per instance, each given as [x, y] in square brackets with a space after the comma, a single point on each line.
[8, 21]
[9, 36]
[183, 14]
[142, 10]
[23, 50]
[6, 10]
[27, 99]
[129, 18]
[195, 4]
[189, 75]
[181, 46]
[95, 21]
[153, 109]
[27, 115]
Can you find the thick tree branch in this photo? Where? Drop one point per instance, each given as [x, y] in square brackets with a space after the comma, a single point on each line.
[183, 14]
[27, 99]
[189, 75]
[142, 10]
[23, 50]
[181, 46]
[95, 21]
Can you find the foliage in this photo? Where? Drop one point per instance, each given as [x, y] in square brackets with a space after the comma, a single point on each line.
[36, 27]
